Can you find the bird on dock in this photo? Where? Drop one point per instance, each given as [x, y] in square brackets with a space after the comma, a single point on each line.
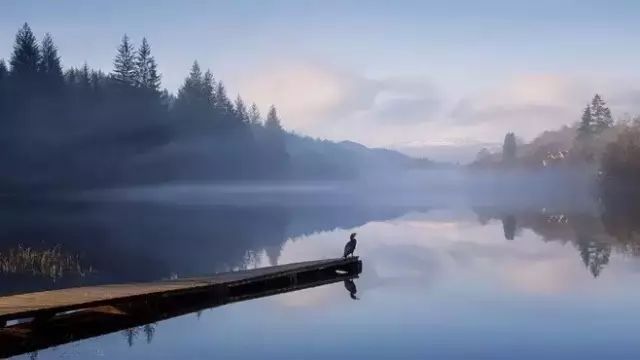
[350, 247]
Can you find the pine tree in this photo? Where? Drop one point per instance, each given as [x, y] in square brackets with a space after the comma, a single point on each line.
[124, 67]
[3, 70]
[49, 65]
[586, 123]
[601, 114]
[241, 110]
[84, 79]
[509, 148]
[71, 76]
[146, 69]
[273, 122]
[3, 76]
[222, 101]
[96, 79]
[208, 87]
[191, 93]
[255, 118]
[277, 153]
[596, 117]
[26, 55]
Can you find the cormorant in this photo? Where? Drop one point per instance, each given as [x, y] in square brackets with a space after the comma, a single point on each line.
[350, 247]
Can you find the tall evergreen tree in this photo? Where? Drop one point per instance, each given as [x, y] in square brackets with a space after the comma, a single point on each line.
[96, 79]
[601, 114]
[124, 65]
[241, 110]
[509, 148]
[222, 101]
[147, 76]
[49, 65]
[3, 70]
[84, 80]
[596, 117]
[208, 87]
[26, 54]
[586, 123]
[255, 118]
[273, 122]
[277, 155]
[191, 90]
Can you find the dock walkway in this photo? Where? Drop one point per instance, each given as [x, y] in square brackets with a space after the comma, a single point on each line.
[48, 303]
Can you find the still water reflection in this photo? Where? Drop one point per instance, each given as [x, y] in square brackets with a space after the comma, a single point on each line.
[445, 282]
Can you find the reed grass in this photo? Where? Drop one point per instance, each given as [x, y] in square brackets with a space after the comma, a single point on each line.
[53, 263]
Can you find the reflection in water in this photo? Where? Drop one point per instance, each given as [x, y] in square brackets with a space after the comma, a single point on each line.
[509, 227]
[438, 283]
[158, 241]
[149, 330]
[139, 316]
[132, 334]
[351, 288]
[594, 236]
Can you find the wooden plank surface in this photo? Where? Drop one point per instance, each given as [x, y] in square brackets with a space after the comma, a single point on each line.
[55, 301]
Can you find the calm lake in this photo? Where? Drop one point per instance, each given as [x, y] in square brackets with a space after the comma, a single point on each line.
[451, 280]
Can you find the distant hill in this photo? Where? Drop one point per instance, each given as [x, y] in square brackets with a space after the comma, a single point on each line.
[318, 159]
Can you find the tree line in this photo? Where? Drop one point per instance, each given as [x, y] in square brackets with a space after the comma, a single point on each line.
[582, 143]
[81, 127]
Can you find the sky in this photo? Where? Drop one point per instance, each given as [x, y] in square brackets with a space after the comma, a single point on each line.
[419, 76]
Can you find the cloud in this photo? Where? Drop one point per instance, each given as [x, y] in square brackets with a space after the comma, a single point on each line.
[531, 104]
[405, 110]
[526, 104]
[312, 95]
[335, 103]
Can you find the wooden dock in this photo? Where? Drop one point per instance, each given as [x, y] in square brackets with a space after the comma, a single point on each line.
[62, 316]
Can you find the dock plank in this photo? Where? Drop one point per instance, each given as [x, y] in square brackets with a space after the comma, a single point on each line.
[56, 301]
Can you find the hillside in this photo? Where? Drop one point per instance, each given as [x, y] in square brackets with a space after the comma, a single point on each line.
[323, 159]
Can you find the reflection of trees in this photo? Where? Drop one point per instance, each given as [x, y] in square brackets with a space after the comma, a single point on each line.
[595, 254]
[132, 334]
[621, 219]
[151, 241]
[509, 226]
[149, 330]
[594, 237]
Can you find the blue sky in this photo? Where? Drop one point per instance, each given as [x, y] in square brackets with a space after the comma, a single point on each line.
[385, 73]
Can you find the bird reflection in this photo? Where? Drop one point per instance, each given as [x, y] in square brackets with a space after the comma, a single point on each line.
[351, 288]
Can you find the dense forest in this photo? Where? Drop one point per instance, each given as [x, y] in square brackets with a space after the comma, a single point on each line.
[81, 127]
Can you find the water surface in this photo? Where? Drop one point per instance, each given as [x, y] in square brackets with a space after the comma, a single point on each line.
[451, 282]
